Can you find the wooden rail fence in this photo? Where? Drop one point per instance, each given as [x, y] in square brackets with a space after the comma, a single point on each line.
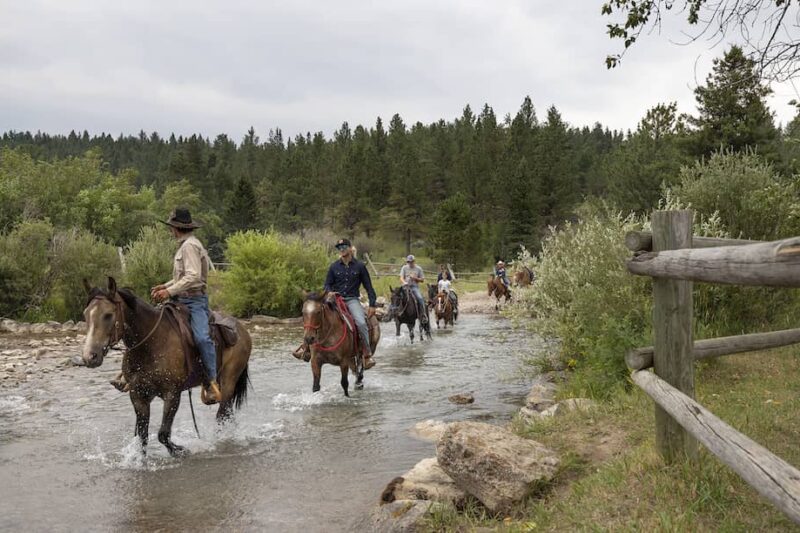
[675, 259]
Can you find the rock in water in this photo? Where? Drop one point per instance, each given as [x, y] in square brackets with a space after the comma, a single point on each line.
[430, 430]
[426, 481]
[493, 464]
[401, 516]
[462, 399]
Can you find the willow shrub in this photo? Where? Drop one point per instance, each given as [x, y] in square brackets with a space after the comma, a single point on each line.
[148, 259]
[584, 296]
[268, 270]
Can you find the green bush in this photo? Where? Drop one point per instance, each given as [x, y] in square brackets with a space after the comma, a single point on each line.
[585, 297]
[25, 277]
[268, 270]
[148, 259]
[41, 270]
[77, 254]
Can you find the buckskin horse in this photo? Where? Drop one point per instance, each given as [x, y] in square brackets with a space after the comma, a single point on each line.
[403, 310]
[444, 309]
[496, 286]
[155, 363]
[330, 339]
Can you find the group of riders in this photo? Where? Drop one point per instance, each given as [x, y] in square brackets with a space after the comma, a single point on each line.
[345, 277]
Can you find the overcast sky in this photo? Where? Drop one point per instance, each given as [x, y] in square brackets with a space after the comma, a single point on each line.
[221, 66]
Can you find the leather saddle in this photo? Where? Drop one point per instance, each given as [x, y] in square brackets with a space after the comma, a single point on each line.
[222, 329]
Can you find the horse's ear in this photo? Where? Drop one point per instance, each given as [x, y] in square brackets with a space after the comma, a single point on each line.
[87, 286]
[112, 286]
[303, 293]
[391, 289]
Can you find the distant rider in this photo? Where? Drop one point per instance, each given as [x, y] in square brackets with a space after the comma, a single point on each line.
[411, 276]
[500, 271]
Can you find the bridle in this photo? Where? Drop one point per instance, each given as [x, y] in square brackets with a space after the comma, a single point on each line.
[120, 326]
[316, 327]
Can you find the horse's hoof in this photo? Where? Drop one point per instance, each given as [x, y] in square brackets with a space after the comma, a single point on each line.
[178, 451]
[359, 386]
[314, 389]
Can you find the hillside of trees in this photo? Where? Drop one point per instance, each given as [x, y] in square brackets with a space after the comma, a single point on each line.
[467, 190]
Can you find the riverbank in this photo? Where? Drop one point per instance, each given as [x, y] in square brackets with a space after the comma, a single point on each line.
[611, 478]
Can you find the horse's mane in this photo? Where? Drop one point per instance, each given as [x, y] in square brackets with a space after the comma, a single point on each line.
[127, 295]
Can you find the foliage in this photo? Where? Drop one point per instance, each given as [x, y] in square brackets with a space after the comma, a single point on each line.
[42, 268]
[148, 259]
[454, 234]
[268, 271]
[772, 48]
[584, 297]
[732, 108]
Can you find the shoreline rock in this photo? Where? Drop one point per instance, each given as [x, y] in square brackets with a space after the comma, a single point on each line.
[425, 481]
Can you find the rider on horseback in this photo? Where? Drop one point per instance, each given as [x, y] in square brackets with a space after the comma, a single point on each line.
[345, 276]
[444, 280]
[410, 276]
[500, 270]
[188, 287]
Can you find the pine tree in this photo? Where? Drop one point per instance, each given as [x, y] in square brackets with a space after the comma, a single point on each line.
[241, 212]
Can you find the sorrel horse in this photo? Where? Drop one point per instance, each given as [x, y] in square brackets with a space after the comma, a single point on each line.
[496, 286]
[444, 309]
[154, 363]
[331, 341]
[403, 310]
[524, 277]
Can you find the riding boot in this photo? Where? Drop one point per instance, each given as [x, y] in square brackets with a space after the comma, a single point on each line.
[120, 384]
[368, 361]
[210, 393]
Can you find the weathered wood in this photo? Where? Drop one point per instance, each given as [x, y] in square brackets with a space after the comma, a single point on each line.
[672, 332]
[774, 264]
[642, 241]
[642, 358]
[369, 261]
[773, 478]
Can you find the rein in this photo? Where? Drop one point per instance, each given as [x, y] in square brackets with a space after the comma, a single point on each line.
[120, 320]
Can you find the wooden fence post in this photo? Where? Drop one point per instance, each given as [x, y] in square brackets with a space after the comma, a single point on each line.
[673, 359]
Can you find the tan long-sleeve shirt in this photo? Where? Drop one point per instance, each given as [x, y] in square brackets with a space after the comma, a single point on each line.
[189, 268]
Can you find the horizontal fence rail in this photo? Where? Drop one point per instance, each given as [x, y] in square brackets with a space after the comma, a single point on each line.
[642, 358]
[773, 478]
[642, 241]
[773, 264]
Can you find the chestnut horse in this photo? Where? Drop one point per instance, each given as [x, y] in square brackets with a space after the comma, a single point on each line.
[496, 286]
[524, 277]
[443, 306]
[154, 363]
[331, 341]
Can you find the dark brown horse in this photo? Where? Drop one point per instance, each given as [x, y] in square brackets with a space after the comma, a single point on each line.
[154, 363]
[331, 341]
[443, 306]
[496, 286]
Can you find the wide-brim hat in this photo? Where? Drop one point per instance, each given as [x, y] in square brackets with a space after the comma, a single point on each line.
[181, 218]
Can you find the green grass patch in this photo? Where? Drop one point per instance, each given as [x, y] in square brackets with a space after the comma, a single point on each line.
[612, 479]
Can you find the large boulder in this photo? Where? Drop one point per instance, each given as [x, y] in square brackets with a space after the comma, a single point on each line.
[401, 516]
[429, 430]
[493, 464]
[8, 326]
[567, 406]
[541, 396]
[426, 481]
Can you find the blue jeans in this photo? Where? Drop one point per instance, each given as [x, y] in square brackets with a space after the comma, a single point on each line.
[198, 309]
[420, 300]
[360, 318]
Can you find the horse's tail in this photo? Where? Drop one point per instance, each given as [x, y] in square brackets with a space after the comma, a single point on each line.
[240, 391]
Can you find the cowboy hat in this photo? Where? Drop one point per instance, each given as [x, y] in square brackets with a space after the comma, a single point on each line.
[181, 218]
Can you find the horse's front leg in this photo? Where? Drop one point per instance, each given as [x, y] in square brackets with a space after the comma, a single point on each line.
[141, 404]
[411, 331]
[397, 323]
[316, 371]
[345, 382]
[172, 400]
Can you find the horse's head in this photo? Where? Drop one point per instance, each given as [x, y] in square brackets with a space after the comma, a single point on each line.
[490, 285]
[313, 306]
[441, 298]
[519, 277]
[105, 322]
[432, 290]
